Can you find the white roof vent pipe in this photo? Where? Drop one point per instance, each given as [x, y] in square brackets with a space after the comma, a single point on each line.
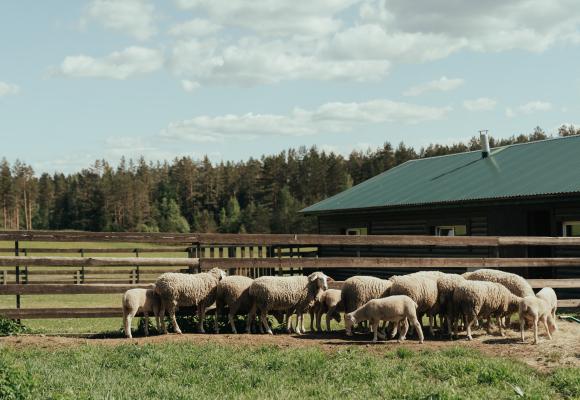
[484, 139]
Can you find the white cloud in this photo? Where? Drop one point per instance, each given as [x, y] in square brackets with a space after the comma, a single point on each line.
[529, 108]
[8, 89]
[252, 61]
[442, 84]
[334, 117]
[534, 106]
[117, 65]
[134, 17]
[274, 17]
[480, 104]
[195, 27]
[189, 86]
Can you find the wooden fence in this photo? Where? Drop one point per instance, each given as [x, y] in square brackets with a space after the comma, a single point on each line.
[59, 263]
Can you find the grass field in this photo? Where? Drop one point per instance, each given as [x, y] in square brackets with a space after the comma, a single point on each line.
[184, 371]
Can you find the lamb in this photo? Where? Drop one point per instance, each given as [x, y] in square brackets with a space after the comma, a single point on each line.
[549, 295]
[484, 299]
[534, 309]
[233, 291]
[295, 293]
[329, 304]
[144, 300]
[422, 289]
[358, 290]
[446, 285]
[397, 309]
[197, 290]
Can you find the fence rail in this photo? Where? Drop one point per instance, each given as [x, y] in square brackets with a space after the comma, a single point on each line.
[70, 267]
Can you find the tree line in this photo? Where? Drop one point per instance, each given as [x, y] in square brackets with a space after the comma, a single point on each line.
[254, 196]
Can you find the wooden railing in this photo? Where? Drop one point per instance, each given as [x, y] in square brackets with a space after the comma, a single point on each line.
[98, 268]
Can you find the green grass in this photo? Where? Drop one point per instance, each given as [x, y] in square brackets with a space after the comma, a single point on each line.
[184, 371]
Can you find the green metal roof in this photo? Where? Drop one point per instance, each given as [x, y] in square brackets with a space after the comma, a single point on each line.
[545, 167]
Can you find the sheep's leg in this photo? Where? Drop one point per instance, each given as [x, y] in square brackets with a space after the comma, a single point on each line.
[201, 317]
[171, 312]
[162, 319]
[298, 323]
[311, 313]
[395, 328]
[375, 327]
[380, 334]
[251, 318]
[146, 327]
[216, 318]
[536, 330]
[507, 321]
[288, 322]
[470, 321]
[328, 319]
[127, 320]
[264, 320]
[545, 321]
[500, 327]
[522, 328]
[302, 323]
[431, 331]
[233, 310]
[417, 326]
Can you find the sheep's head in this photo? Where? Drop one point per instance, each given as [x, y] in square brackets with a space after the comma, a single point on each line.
[349, 322]
[513, 303]
[320, 278]
[218, 273]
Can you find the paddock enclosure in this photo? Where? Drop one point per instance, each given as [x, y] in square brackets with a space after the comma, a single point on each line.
[61, 263]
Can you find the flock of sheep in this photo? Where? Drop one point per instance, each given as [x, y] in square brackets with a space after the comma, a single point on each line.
[399, 302]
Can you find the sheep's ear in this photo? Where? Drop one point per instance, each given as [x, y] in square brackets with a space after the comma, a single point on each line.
[313, 277]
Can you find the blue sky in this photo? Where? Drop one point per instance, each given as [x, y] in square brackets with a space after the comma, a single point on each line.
[234, 79]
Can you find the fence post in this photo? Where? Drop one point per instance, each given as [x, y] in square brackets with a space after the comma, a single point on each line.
[137, 269]
[4, 277]
[82, 272]
[25, 280]
[17, 272]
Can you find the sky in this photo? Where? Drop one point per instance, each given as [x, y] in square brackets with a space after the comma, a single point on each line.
[85, 80]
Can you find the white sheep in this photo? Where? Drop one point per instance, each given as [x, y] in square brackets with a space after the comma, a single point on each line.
[233, 292]
[534, 309]
[422, 289]
[196, 290]
[549, 295]
[329, 304]
[484, 299]
[292, 293]
[143, 300]
[358, 290]
[397, 309]
[446, 285]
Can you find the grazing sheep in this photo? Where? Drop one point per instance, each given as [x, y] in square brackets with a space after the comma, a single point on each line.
[422, 289]
[446, 285]
[329, 304]
[197, 290]
[534, 309]
[233, 291]
[484, 299]
[395, 309]
[293, 293]
[144, 300]
[549, 295]
[358, 290]
[515, 283]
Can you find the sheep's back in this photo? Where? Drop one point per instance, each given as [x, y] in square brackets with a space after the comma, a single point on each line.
[513, 282]
[421, 289]
[358, 290]
[279, 293]
[187, 289]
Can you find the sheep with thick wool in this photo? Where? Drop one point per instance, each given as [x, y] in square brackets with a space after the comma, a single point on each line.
[446, 285]
[475, 299]
[328, 303]
[144, 300]
[397, 309]
[292, 293]
[196, 290]
[533, 310]
[233, 292]
[422, 289]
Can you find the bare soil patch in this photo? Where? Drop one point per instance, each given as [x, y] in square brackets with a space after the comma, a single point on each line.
[563, 350]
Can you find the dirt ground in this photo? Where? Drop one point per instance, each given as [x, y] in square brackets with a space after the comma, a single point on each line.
[563, 350]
